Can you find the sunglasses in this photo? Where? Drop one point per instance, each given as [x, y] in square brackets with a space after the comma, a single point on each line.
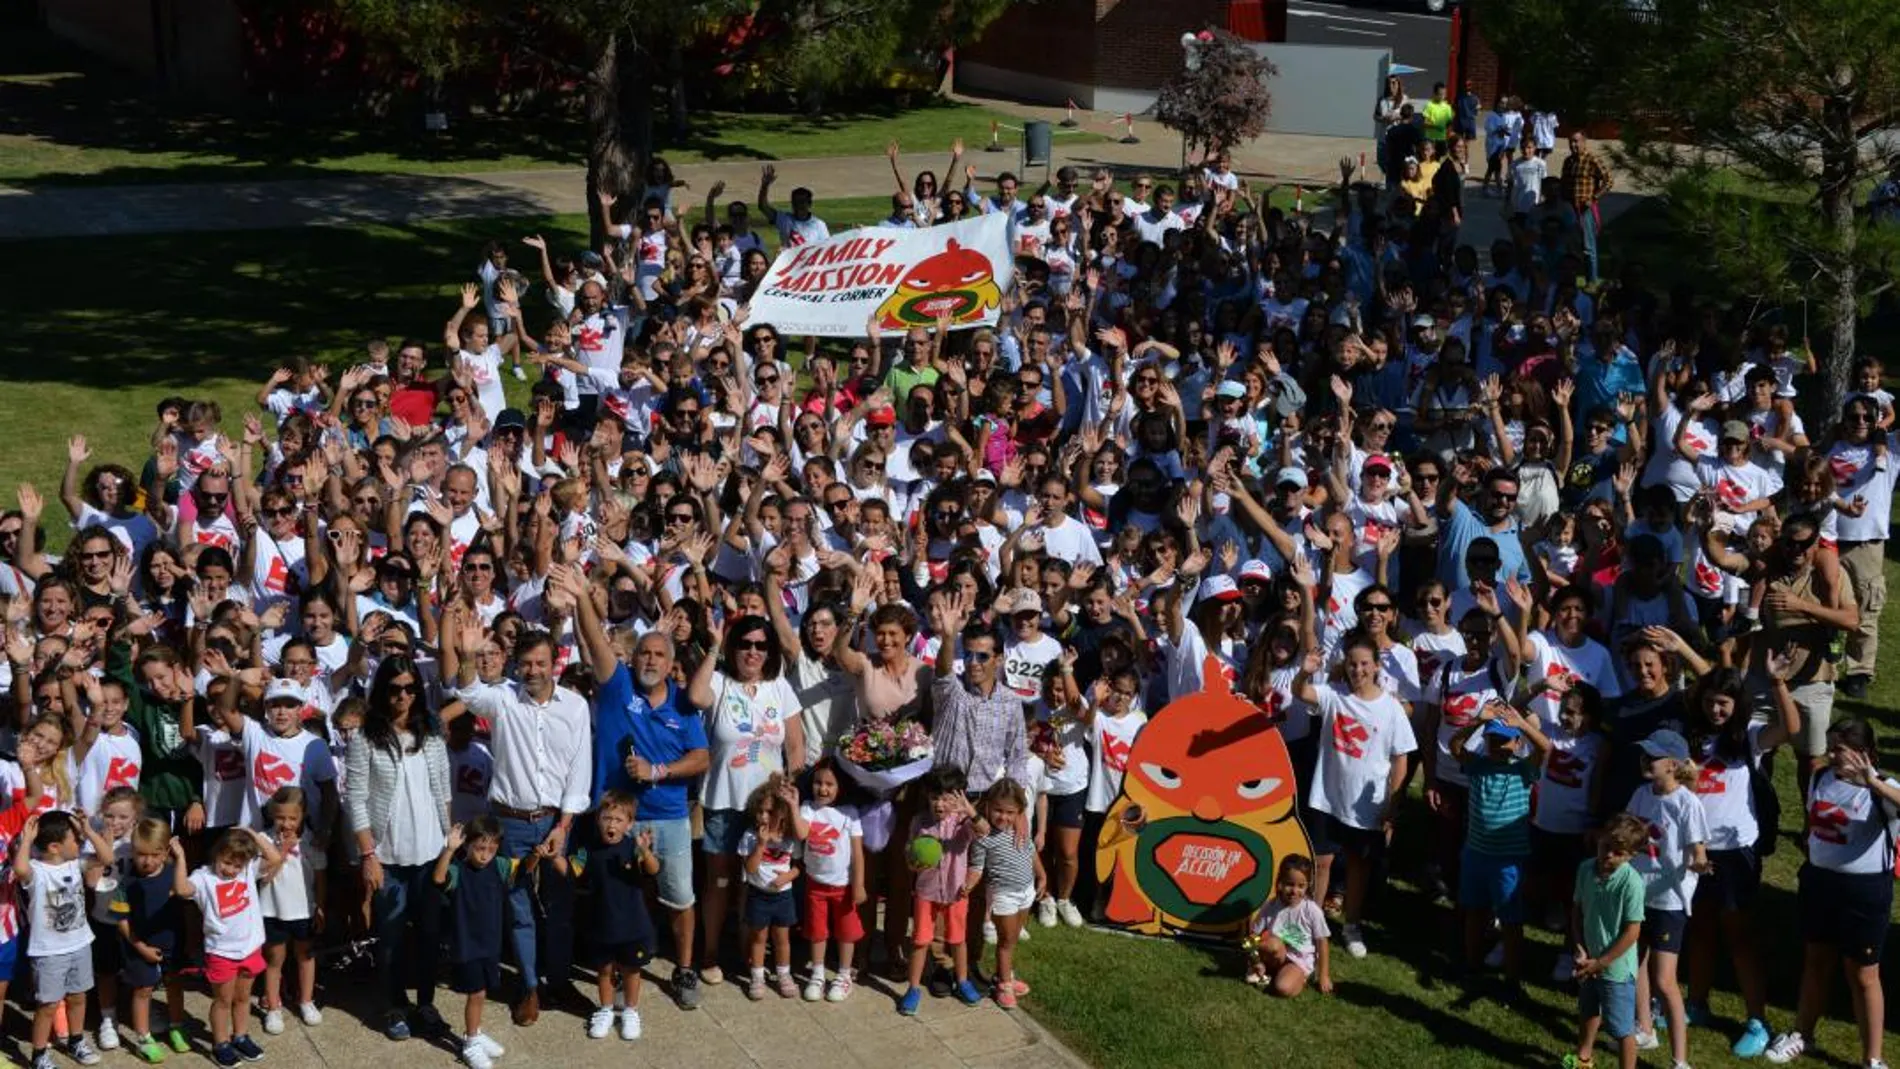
[838, 504]
[412, 689]
[1502, 496]
[751, 645]
[96, 555]
[681, 517]
[277, 512]
[363, 402]
[1379, 606]
[217, 498]
[978, 657]
[768, 380]
[478, 566]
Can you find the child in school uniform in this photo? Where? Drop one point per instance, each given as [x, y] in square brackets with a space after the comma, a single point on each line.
[146, 910]
[225, 890]
[59, 941]
[477, 883]
[608, 864]
[293, 909]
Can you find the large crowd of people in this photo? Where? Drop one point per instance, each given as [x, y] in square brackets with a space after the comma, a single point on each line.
[389, 662]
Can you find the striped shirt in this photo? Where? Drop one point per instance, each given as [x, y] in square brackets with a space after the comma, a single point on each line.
[1010, 865]
[982, 736]
[1500, 813]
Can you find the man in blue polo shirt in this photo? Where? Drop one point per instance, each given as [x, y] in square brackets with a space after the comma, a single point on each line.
[1497, 522]
[650, 742]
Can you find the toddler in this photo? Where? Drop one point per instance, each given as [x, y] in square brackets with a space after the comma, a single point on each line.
[771, 847]
[118, 815]
[834, 882]
[939, 891]
[1016, 879]
[609, 866]
[477, 884]
[226, 892]
[293, 909]
[146, 910]
[1290, 935]
[59, 943]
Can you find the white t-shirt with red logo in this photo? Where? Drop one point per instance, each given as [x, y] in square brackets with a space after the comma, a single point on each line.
[278, 571]
[1587, 663]
[226, 786]
[274, 762]
[470, 772]
[1461, 695]
[1848, 829]
[1359, 741]
[1563, 785]
[234, 921]
[1432, 651]
[1727, 802]
[1734, 487]
[1676, 822]
[1111, 740]
[1858, 473]
[113, 761]
[828, 842]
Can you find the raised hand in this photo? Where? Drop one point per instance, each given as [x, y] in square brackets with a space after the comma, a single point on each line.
[77, 451]
[471, 295]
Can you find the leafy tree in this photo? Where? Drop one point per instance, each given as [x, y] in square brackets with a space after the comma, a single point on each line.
[1219, 97]
[1766, 121]
[621, 55]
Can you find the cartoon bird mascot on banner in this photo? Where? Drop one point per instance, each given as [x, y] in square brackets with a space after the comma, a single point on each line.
[1207, 810]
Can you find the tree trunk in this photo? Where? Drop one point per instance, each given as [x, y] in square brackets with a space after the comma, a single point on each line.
[1838, 306]
[619, 131]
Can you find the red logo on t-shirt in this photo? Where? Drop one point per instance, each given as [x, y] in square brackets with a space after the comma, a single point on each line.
[1708, 577]
[1655, 837]
[1564, 769]
[122, 773]
[1828, 822]
[1349, 735]
[1710, 780]
[1732, 493]
[1844, 469]
[278, 579]
[822, 840]
[233, 897]
[1460, 710]
[1115, 751]
[269, 773]
[228, 765]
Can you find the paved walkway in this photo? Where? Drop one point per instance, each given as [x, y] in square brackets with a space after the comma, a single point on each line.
[727, 1032]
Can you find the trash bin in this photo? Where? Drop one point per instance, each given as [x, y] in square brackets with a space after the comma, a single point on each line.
[1037, 139]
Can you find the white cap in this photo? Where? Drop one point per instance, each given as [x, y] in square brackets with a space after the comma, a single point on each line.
[283, 690]
[1022, 599]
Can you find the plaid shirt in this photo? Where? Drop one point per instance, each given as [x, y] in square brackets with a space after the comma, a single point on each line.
[1585, 179]
[982, 736]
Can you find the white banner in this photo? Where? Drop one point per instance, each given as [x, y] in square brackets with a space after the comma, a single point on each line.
[908, 277]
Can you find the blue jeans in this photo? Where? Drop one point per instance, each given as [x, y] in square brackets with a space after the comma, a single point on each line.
[1587, 219]
[519, 839]
[408, 897]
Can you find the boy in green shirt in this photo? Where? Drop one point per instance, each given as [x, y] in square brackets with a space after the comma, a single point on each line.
[1605, 922]
[1438, 114]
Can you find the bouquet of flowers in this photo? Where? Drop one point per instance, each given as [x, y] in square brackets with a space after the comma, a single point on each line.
[882, 756]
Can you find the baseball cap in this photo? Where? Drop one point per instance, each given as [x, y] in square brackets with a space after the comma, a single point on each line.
[511, 419]
[283, 690]
[1296, 476]
[1376, 461]
[1666, 743]
[1220, 588]
[1423, 321]
[985, 475]
[881, 417]
[1230, 388]
[1502, 731]
[1020, 600]
[1256, 569]
[1735, 430]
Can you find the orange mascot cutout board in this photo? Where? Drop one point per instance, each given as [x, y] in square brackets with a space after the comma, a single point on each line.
[1208, 809]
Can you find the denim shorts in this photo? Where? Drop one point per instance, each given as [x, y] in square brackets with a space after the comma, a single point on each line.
[771, 909]
[722, 828]
[1614, 1000]
[673, 844]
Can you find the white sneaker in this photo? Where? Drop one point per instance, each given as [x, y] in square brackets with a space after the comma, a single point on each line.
[629, 1023]
[1684, 1065]
[1023, 935]
[273, 1022]
[309, 1014]
[487, 1043]
[989, 932]
[475, 1057]
[1355, 940]
[1786, 1048]
[601, 1023]
[1046, 912]
[1647, 1041]
[1070, 915]
[840, 988]
[814, 987]
[520, 375]
[1566, 969]
[108, 1034]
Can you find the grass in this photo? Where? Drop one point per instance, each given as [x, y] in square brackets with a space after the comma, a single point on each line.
[67, 119]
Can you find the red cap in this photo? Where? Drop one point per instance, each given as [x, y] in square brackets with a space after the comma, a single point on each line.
[881, 417]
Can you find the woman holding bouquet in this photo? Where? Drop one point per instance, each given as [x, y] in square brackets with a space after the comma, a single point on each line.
[891, 686]
[753, 726]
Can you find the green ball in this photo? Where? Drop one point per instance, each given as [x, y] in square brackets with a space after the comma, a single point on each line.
[926, 851]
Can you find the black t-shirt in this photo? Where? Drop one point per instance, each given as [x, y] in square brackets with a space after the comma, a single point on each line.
[478, 909]
[610, 875]
[1633, 719]
[148, 904]
[1402, 141]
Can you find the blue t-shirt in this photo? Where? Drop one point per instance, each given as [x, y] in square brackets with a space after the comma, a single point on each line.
[1463, 527]
[663, 734]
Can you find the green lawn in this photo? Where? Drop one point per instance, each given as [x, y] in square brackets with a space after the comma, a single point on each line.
[66, 119]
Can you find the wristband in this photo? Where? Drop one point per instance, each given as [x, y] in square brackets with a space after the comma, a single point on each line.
[370, 854]
[657, 773]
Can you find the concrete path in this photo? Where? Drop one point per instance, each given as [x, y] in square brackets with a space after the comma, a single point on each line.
[727, 1032]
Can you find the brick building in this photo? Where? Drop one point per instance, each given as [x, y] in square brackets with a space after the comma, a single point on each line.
[1106, 55]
